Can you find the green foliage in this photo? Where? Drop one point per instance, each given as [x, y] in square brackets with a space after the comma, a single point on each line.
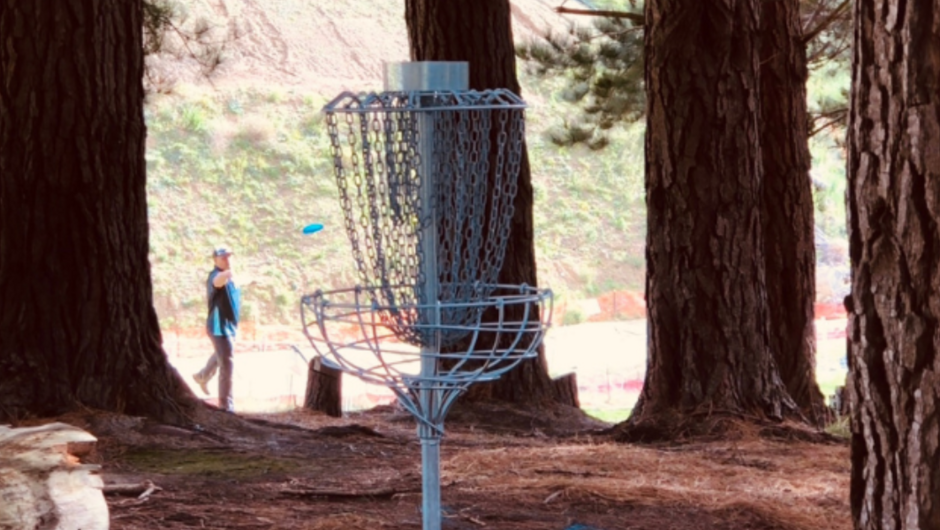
[572, 317]
[168, 31]
[235, 107]
[828, 97]
[829, 183]
[609, 415]
[828, 27]
[193, 118]
[840, 428]
[603, 69]
[158, 16]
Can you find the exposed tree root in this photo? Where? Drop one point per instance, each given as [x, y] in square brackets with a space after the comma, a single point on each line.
[548, 418]
[674, 428]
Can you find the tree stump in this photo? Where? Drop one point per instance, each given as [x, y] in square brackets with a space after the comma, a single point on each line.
[566, 389]
[42, 483]
[324, 387]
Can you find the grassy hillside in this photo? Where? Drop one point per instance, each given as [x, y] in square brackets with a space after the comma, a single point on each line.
[244, 162]
[250, 169]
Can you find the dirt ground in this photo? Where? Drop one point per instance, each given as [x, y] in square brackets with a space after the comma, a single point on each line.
[504, 469]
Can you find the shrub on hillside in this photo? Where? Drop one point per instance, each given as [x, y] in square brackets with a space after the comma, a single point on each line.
[255, 132]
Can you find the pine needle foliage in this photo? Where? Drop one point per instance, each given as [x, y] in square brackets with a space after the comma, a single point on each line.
[168, 32]
[602, 67]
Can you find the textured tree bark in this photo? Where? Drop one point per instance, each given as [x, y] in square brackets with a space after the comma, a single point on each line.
[324, 388]
[567, 388]
[709, 346]
[77, 324]
[787, 204]
[479, 32]
[894, 244]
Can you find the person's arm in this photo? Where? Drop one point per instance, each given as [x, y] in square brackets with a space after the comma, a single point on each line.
[222, 278]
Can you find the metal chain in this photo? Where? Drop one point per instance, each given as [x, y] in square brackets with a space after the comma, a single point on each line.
[476, 151]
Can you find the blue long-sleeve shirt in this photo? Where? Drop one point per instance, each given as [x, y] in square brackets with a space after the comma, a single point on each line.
[224, 306]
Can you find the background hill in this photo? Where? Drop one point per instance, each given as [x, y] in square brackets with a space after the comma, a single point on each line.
[321, 46]
[240, 159]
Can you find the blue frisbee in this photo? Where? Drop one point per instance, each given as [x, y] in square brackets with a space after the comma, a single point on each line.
[313, 229]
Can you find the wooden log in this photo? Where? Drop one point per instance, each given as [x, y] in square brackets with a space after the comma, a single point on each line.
[141, 490]
[382, 492]
[43, 484]
[324, 387]
[566, 389]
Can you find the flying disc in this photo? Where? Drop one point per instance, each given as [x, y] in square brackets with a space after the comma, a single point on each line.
[313, 229]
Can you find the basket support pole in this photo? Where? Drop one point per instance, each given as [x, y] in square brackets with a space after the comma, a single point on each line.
[429, 77]
[428, 396]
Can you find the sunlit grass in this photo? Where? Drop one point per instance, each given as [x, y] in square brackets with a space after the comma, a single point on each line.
[609, 415]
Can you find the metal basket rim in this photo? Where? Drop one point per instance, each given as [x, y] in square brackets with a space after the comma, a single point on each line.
[524, 293]
[349, 102]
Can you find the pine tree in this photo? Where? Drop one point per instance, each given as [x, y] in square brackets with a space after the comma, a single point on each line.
[77, 323]
[479, 32]
[894, 179]
[602, 65]
[709, 350]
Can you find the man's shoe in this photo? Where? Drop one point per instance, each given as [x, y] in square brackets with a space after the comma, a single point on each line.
[202, 383]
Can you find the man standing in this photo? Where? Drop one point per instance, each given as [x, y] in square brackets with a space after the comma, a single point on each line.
[224, 305]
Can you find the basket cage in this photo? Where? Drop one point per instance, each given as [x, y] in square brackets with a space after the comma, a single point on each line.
[386, 147]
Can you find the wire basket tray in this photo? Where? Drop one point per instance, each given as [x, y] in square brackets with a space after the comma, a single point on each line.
[349, 327]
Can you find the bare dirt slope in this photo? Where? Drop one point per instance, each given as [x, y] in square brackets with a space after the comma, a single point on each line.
[324, 46]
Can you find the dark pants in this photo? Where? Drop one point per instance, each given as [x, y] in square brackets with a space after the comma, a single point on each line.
[222, 360]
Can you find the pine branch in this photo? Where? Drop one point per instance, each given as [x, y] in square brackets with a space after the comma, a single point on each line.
[636, 18]
[826, 53]
[832, 117]
[826, 22]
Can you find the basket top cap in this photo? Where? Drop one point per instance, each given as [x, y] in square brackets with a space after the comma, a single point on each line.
[427, 75]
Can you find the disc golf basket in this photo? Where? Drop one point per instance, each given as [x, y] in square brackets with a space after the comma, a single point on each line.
[427, 173]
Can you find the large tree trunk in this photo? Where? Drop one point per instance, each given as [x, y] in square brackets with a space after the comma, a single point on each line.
[479, 32]
[894, 244]
[787, 203]
[77, 324]
[709, 347]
